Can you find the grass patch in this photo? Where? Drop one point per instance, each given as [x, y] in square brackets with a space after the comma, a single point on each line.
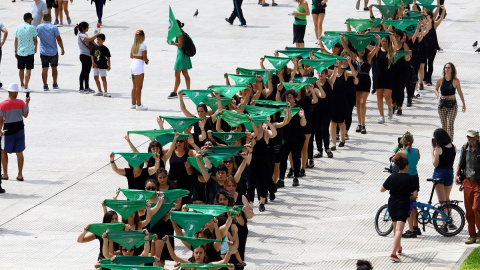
[472, 261]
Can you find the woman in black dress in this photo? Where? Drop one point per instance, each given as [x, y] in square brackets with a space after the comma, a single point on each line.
[401, 71]
[402, 189]
[177, 174]
[323, 112]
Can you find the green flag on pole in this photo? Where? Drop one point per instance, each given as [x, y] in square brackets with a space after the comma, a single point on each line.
[124, 207]
[229, 137]
[172, 194]
[127, 239]
[99, 228]
[295, 110]
[168, 138]
[135, 159]
[226, 150]
[151, 134]
[189, 221]
[160, 213]
[201, 266]
[330, 41]
[429, 6]
[293, 86]
[137, 195]
[273, 102]
[195, 242]
[228, 90]
[278, 62]
[256, 110]
[213, 103]
[242, 79]
[197, 95]
[360, 41]
[193, 162]
[129, 267]
[234, 119]
[214, 210]
[387, 11]
[360, 24]
[399, 54]
[180, 123]
[173, 28]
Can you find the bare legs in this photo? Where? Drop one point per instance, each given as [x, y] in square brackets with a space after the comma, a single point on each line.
[333, 132]
[305, 151]
[63, 5]
[104, 82]
[45, 75]
[361, 102]
[177, 79]
[5, 164]
[397, 232]
[137, 81]
[388, 99]
[24, 76]
[318, 22]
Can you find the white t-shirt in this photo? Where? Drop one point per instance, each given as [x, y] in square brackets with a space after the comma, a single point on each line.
[37, 12]
[83, 45]
[143, 47]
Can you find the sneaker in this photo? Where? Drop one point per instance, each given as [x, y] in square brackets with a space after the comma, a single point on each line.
[172, 95]
[366, 9]
[272, 196]
[341, 144]
[261, 207]
[89, 90]
[2, 190]
[274, 4]
[373, 91]
[290, 173]
[45, 88]
[333, 148]
[280, 183]
[295, 182]
[452, 227]
[98, 94]
[409, 102]
[226, 19]
[417, 231]
[409, 234]
[69, 21]
[107, 94]
[302, 173]
[416, 94]
[55, 86]
[242, 25]
[445, 228]
[399, 112]
[265, 5]
[470, 240]
[390, 114]
[133, 107]
[381, 120]
[27, 90]
[142, 108]
[394, 258]
[357, 6]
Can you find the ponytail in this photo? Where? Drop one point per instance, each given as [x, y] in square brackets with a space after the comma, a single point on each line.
[407, 141]
[80, 27]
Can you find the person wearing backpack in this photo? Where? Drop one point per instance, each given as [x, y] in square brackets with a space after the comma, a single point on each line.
[183, 62]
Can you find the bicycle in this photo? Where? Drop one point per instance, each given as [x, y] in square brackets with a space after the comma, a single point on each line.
[448, 219]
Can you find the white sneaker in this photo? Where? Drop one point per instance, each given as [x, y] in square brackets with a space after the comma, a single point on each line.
[98, 94]
[390, 114]
[88, 90]
[142, 108]
[107, 94]
[134, 106]
[27, 90]
[381, 120]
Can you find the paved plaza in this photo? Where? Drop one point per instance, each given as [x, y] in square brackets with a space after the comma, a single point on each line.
[325, 223]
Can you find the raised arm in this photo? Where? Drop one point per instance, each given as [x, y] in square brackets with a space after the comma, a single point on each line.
[167, 156]
[268, 90]
[191, 142]
[333, 77]
[146, 245]
[261, 63]
[85, 236]
[182, 105]
[240, 169]
[375, 49]
[152, 170]
[132, 147]
[172, 252]
[437, 23]
[204, 172]
[114, 166]
[345, 46]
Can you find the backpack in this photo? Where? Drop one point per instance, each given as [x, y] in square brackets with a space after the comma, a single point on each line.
[188, 47]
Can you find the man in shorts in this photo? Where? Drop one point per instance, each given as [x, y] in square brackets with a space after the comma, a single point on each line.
[39, 8]
[49, 36]
[12, 112]
[25, 47]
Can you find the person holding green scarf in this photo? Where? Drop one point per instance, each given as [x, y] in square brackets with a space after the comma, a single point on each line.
[300, 23]
[124, 252]
[135, 176]
[432, 41]
[401, 70]
[182, 63]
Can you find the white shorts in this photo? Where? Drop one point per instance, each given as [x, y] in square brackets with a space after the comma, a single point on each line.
[136, 68]
[100, 71]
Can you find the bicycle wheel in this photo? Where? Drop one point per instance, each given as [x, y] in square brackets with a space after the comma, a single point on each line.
[383, 221]
[456, 224]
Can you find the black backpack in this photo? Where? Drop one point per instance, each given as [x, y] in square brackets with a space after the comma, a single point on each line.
[188, 46]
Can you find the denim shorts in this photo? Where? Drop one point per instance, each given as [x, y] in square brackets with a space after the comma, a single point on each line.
[14, 143]
[445, 174]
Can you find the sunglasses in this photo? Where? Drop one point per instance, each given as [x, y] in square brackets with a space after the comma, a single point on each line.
[228, 161]
[150, 188]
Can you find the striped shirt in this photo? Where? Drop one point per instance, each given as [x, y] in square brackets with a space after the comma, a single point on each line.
[12, 111]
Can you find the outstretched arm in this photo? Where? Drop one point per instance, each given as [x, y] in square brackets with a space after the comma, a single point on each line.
[182, 105]
[114, 166]
[172, 252]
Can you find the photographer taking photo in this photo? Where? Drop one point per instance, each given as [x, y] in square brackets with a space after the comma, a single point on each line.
[469, 169]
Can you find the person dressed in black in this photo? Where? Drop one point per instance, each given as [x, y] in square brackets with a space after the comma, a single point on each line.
[401, 70]
[403, 188]
[322, 112]
[237, 12]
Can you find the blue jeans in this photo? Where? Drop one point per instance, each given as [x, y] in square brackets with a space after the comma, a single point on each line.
[445, 174]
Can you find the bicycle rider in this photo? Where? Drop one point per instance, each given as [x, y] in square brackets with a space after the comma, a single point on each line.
[468, 174]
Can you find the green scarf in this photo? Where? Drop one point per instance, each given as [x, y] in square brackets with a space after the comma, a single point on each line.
[242, 79]
[429, 7]
[399, 54]
[359, 41]
[129, 267]
[261, 72]
[319, 65]
[229, 137]
[425, 2]
[195, 242]
[295, 110]
[327, 56]
[226, 150]
[359, 24]
[129, 260]
[172, 194]
[337, 33]
[125, 208]
[271, 103]
[99, 228]
[151, 134]
[228, 90]
[180, 123]
[256, 110]
[293, 86]
[160, 213]
[127, 239]
[305, 80]
[380, 33]
[330, 41]
[193, 162]
[168, 138]
[234, 119]
[141, 243]
[189, 221]
[387, 11]
[294, 54]
[213, 103]
[214, 210]
[137, 195]
[402, 24]
[135, 159]
[277, 62]
[197, 95]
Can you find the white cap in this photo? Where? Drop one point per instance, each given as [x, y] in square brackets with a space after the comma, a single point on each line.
[13, 87]
[472, 132]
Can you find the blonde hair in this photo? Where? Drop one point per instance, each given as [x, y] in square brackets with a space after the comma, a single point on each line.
[390, 51]
[407, 141]
[139, 39]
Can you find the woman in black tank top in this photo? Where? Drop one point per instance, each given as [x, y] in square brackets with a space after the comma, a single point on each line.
[443, 157]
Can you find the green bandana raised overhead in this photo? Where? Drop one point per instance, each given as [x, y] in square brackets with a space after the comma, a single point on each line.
[399, 54]
[229, 137]
[129, 267]
[380, 33]
[398, 2]
[226, 150]
[172, 194]
[160, 213]
[425, 2]
[304, 80]
[330, 41]
[99, 228]
[214, 210]
[234, 119]
[242, 79]
[387, 11]
[190, 222]
[272, 102]
[337, 33]
[125, 208]
[193, 162]
[294, 54]
[129, 260]
[325, 56]
[277, 62]
[228, 90]
[262, 72]
[295, 110]
[216, 159]
[151, 134]
[197, 95]
[293, 86]
[429, 7]
[135, 159]
[212, 102]
[173, 28]
[180, 123]
[150, 238]
[404, 24]
[319, 64]
[168, 138]
[195, 242]
[360, 41]
[201, 266]
[137, 195]
[127, 239]
[256, 110]
[360, 24]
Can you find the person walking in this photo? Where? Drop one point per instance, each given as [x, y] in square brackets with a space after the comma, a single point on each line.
[39, 8]
[12, 112]
[237, 12]
[318, 15]
[3, 30]
[469, 166]
[49, 37]
[25, 47]
[63, 7]
[99, 8]
[182, 64]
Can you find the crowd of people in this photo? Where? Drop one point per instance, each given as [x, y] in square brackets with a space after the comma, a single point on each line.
[237, 146]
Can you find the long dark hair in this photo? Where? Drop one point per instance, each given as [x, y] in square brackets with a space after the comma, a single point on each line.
[107, 218]
[180, 24]
[441, 137]
[80, 27]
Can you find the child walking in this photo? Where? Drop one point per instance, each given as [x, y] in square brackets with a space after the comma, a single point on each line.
[101, 64]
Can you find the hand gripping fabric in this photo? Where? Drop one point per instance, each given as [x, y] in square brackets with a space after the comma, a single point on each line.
[190, 222]
[180, 123]
[137, 195]
[151, 134]
[242, 79]
[127, 239]
[135, 159]
[125, 208]
[99, 228]
[197, 95]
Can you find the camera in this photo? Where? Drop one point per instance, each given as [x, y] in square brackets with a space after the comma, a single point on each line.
[442, 103]
[461, 176]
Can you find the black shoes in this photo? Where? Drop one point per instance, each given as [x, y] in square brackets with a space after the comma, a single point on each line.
[409, 234]
[341, 144]
[172, 95]
[261, 207]
[280, 183]
[409, 102]
[295, 182]
[226, 19]
[290, 173]
[302, 173]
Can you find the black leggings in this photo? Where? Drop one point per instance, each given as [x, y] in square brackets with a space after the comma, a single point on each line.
[237, 12]
[85, 73]
[322, 130]
[293, 145]
[431, 53]
[413, 79]
[258, 178]
[99, 7]
[398, 91]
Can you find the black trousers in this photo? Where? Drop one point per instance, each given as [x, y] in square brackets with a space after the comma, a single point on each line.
[431, 53]
[237, 12]
[86, 61]
[294, 146]
[99, 7]
[412, 81]
[401, 79]
[258, 178]
[322, 130]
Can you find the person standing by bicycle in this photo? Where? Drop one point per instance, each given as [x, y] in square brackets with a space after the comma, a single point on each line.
[413, 156]
[403, 188]
[468, 174]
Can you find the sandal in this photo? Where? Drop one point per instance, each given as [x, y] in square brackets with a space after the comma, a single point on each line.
[363, 131]
[310, 164]
[358, 129]
[346, 137]
[318, 155]
[329, 154]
